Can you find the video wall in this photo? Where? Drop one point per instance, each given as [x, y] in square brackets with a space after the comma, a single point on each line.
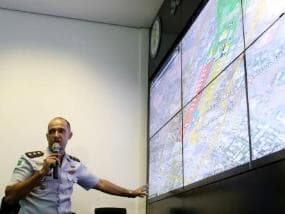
[218, 101]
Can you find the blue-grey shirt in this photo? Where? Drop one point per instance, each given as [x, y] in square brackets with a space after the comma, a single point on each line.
[52, 195]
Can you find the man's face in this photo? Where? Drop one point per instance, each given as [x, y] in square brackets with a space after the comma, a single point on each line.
[58, 132]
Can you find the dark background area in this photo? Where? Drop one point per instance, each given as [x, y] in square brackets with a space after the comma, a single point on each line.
[173, 28]
[260, 190]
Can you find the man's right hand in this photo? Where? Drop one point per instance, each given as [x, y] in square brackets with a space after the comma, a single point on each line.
[49, 163]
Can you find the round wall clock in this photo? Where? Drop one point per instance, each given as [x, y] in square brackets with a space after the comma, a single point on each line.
[155, 36]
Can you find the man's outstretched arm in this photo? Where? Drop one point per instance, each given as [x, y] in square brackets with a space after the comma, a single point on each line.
[111, 188]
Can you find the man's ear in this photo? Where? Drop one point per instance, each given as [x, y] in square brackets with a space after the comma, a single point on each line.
[70, 135]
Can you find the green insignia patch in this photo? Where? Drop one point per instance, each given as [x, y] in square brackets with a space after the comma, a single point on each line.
[19, 162]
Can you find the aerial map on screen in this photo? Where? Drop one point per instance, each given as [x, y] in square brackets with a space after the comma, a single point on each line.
[266, 85]
[213, 41]
[215, 127]
[165, 93]
[210, 133]
[165, 159]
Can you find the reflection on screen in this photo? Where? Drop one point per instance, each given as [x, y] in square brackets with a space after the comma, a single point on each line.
[215, 127]
[258, 16]
[211, 43]
[165, 158]
[165, 93]
[266, 85]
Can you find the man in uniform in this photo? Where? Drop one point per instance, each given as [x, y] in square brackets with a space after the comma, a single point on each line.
[37, 187]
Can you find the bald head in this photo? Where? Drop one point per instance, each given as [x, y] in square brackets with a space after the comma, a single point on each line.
[62, 119]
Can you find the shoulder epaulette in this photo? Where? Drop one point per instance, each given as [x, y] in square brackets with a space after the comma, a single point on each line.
[34, 154]
[74, 158]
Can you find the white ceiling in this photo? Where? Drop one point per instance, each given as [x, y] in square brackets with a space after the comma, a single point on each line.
[131, 13]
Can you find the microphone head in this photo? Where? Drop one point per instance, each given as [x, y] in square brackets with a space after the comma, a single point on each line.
[55, 147]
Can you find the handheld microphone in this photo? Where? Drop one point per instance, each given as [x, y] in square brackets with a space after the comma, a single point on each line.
[55, 149]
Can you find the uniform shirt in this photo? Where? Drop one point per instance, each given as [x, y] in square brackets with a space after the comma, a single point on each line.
[52, 195]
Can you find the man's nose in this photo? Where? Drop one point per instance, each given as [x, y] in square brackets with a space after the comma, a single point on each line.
[56, 133]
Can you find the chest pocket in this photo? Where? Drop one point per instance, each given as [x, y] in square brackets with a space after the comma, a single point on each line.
[67, 182]
[49, 180]
[71, 177]
[47, 186]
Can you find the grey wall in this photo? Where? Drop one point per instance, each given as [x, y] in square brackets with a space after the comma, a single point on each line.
[94, 75]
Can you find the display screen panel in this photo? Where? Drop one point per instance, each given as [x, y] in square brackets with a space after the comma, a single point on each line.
[215, 127]
[266, 87]
[259, 15]
[212, 42]
[165, 93]
[165, 158]
[213, 109]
